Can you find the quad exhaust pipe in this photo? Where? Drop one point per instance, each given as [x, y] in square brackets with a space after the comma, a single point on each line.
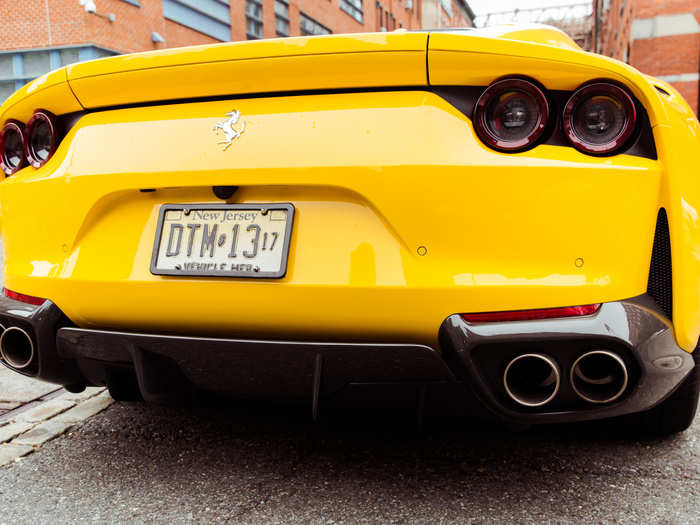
[532, 380]
[16, 348]
[599, 376]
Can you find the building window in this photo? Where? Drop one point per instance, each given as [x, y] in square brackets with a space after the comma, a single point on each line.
[353, 8]
[253, 19]
[447, 6]
[20, 67]
[308, 26]
[281, 18]
[69, 56]
[6, 89]
[211, 17]
[36, 63]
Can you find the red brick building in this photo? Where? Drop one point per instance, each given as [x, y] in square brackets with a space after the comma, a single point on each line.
[437, 14]
[613, 21]
[40, 35]
[658, 37]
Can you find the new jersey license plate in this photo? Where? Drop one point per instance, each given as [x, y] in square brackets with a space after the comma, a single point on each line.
[223, 240]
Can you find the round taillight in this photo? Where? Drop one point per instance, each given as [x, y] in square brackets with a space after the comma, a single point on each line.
[12, 147]
[41, 140]
[511, 114]
[599, 118]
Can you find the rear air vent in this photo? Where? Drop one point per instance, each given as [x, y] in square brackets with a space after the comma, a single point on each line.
[660, 274]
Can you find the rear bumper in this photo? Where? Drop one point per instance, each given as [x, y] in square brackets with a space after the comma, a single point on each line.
[472, 356]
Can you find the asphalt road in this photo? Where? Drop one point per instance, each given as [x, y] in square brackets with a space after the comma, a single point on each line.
[247, 464]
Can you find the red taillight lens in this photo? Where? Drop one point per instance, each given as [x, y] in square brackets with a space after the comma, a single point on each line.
[511, 114]
[12, 147]
[530, 315]
[599, 118]
[41, 138]
[29, 299]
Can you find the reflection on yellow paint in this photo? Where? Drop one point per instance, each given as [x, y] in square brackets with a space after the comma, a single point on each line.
[43, 269]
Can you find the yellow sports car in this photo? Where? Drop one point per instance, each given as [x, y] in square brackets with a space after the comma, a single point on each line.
[487, 219]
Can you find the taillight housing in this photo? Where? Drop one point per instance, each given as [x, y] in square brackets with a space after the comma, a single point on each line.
[599, 118]
[12, 147]
[511, 114]
[41, 138]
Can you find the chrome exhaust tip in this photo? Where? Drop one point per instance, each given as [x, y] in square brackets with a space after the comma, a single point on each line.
[16, 348]
[599, 376]
[532, 380]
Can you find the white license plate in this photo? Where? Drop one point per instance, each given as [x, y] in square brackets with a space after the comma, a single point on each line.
[223, 240]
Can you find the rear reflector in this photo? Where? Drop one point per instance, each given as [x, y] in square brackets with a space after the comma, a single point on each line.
[29, 299]
[529, 315]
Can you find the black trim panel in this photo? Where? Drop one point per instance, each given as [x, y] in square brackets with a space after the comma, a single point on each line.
[255, 368]
[634, 329]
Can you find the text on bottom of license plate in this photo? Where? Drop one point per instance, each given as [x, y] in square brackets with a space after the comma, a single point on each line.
[233, 240]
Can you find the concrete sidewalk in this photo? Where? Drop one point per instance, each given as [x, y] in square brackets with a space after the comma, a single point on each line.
[33, 412]
[17, 390]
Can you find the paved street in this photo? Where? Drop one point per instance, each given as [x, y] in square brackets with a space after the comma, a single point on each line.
[252, 464]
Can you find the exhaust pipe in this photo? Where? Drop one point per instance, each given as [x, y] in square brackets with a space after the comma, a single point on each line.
[16, 348]
[599, 376]
[532, 380]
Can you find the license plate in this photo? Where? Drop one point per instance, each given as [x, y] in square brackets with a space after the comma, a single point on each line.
[223, 240]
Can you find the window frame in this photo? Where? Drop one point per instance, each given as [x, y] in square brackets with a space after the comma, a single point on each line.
[315, 22]
[281, 18]
[352, 10]
[255, 20]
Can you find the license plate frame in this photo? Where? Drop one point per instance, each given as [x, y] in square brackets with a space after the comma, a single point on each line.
[267, 207]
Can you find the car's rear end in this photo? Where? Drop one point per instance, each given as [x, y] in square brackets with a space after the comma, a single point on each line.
[287, 218]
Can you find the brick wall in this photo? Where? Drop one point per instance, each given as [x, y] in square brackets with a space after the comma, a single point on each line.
[26, 25]
[458, 19]
[615, 25]
[649, 8]
[666, 43]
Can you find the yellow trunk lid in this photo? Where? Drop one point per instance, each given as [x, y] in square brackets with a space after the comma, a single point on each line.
[265, 66]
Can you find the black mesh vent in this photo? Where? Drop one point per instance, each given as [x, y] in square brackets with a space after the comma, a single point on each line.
[660, 275]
